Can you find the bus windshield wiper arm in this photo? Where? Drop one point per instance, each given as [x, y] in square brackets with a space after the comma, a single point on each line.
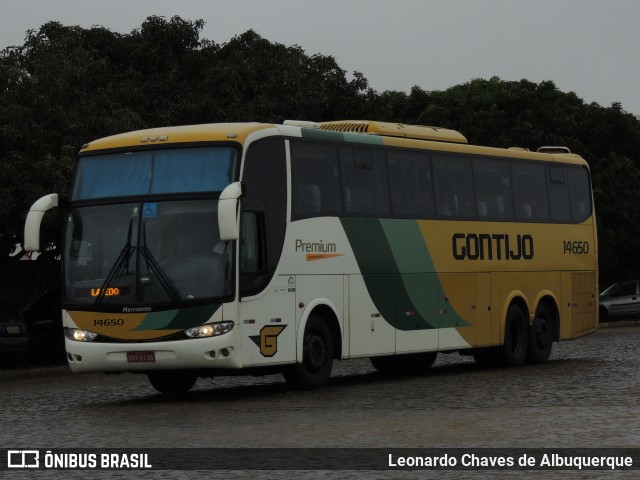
[120, 266]
[154, 266]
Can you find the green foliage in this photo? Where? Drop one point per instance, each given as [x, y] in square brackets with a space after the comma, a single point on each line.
[69, 85]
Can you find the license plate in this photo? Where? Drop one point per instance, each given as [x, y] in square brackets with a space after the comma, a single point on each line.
[134, 357]
[13, 329]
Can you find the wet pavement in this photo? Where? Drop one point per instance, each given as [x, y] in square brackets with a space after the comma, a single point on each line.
[586, 396]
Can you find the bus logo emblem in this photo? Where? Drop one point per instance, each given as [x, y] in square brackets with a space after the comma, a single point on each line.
[267, 341]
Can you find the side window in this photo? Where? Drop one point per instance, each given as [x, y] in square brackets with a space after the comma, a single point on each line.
[580, 193]
[530, 192]
[253, 268]
[265, 159]
[364, 181]
[560, 208]
[492, 180]
[410, 184]
[316, 184]
[626, 290]
[455, 197]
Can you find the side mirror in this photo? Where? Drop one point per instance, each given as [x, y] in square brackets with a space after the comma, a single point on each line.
[34, 219]
[228, 211]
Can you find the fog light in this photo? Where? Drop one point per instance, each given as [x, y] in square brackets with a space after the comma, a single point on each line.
[80, 335]
[209, 330]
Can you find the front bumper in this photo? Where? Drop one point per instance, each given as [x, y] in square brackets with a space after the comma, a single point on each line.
[198, 353]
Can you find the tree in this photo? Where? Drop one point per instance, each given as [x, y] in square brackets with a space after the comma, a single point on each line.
[69, 85]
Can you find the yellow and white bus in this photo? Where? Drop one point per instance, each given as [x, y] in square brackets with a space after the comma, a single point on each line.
[252, 248]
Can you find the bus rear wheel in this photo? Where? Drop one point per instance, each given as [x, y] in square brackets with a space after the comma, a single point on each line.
[541, 335]
[514, 350]
[317, 357]
[172, 381]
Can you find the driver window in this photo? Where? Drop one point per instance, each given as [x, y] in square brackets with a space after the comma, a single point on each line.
[253, 271]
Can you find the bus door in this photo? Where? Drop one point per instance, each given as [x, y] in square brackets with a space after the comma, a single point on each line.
[267, 307]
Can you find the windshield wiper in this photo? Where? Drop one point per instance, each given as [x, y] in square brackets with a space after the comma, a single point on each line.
[154, 266]
[119, 267]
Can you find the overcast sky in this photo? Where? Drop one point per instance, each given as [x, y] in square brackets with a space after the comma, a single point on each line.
[586, 46]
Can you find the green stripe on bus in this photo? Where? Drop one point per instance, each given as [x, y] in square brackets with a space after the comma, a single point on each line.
[157, 320]
[381, 274]
[177, 319]
[398, 272]
[194, 316]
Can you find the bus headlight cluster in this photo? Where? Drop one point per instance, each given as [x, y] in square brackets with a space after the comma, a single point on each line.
[209, 330]
[80, 335]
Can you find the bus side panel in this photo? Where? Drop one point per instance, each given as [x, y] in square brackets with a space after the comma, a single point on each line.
[317, 290]
[417, 313]
[369, 332]
[578, 311]
[268, 324]
[485, 323]
[457, 310]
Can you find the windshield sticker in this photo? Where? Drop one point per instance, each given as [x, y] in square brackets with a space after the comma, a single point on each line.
[149, 210]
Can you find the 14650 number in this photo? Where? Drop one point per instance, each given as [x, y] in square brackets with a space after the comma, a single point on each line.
[575, 247]
[109, 322]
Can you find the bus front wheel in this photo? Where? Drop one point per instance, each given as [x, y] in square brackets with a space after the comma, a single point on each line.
[172, 381]
[317, 357]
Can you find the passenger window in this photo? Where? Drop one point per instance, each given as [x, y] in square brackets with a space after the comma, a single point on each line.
[316, 185]
[493, 189]
[530, 192]
[410, 184]
[580, 196]
[364, 180]
[559, 195]
[455, 196]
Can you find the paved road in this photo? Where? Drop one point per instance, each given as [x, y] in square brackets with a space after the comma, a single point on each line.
[585, 396]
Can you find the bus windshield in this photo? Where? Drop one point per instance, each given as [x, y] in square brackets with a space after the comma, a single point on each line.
[151, 172]
[149, 248]
[147, 252]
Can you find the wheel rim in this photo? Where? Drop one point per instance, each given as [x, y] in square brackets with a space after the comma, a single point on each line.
[315, 352]
[541, 334]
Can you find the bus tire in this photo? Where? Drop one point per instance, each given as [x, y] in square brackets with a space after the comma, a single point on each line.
[514, 349]
[172, 381]
[541, 335]
[317, 357]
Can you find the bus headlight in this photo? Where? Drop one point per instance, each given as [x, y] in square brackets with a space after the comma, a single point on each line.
[80, 335]
[209, 330]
